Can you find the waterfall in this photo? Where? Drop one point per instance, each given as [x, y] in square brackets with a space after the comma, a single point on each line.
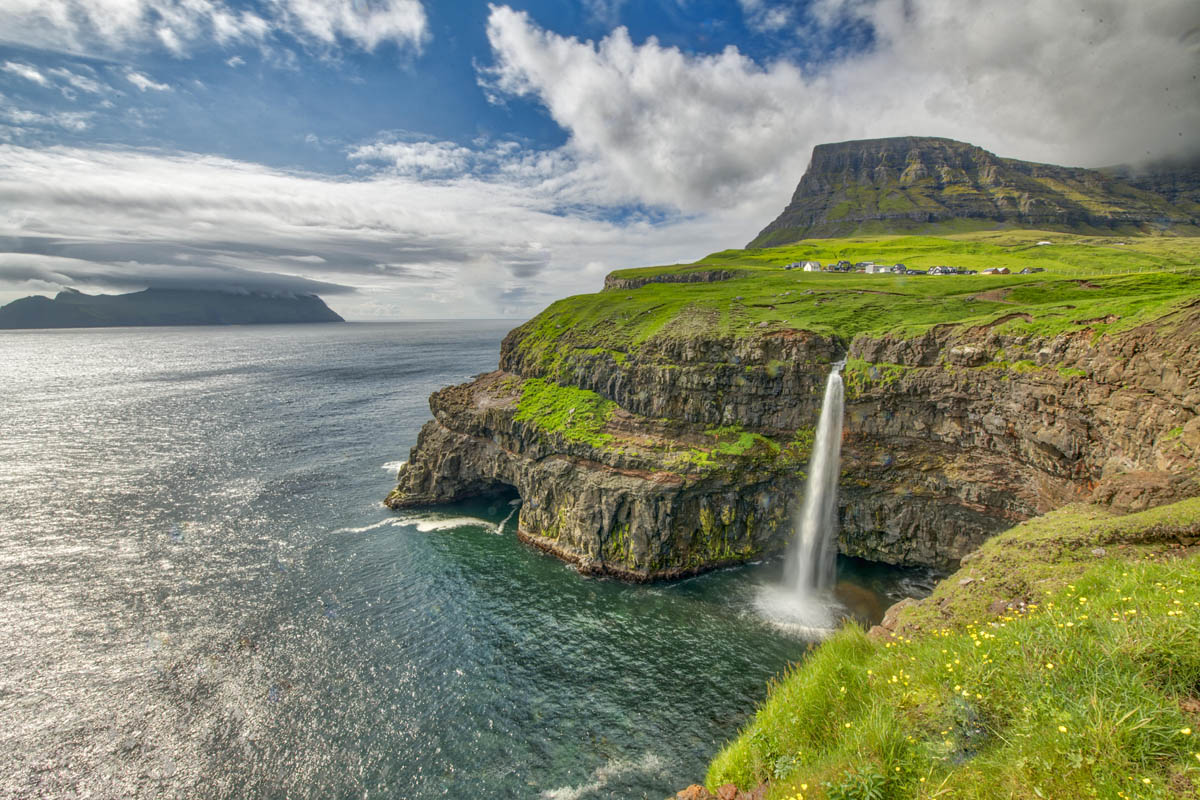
[812, 554]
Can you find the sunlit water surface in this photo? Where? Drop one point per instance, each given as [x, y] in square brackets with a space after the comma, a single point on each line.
[203, 597]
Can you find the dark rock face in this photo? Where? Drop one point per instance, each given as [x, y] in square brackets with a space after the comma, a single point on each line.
[73, 309]
[615, 282]
[949, 438]
[606, 510]
[1177, 180]
[911, 183]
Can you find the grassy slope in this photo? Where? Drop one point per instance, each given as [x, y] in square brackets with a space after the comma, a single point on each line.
[1139, 280]
[1087, 280]
[1092, 689]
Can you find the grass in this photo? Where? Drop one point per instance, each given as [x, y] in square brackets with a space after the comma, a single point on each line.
[575, 414]
[1087, 689]
[1092, 283]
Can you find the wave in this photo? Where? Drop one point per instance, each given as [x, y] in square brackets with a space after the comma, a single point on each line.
[380, 524]
[429, 525]
[394, 466]
[649, 763]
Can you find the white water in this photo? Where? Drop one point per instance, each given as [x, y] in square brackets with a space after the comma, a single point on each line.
[804, 601]
[812, 556]
[516, 504]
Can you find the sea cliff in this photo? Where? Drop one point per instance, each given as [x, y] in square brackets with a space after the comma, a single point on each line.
[663, 427]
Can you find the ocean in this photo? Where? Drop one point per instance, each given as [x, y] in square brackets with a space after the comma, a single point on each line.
[204, 597]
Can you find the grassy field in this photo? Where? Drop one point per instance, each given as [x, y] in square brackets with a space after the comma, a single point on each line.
[1092, 283]
[1089, 686]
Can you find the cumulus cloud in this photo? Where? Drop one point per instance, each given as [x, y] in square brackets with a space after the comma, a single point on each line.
[416, 157]
[1092, 83]
[178, 25]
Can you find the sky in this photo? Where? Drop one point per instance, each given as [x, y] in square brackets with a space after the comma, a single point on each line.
[417, 159]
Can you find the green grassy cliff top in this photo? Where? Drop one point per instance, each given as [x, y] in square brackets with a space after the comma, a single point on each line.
[1087, 280]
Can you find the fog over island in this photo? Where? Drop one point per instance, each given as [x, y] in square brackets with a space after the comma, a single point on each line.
[409, 159]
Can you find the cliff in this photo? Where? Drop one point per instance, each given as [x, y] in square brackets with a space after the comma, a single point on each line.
[73, 309]
[922, 184]
[661, 428]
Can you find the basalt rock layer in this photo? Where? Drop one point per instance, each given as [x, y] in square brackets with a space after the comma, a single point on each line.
[696, 444]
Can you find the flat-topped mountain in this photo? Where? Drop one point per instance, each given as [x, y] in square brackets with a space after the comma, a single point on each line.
[74, 309]
[923, 184]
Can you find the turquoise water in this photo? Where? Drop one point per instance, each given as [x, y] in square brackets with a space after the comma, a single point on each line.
[204, 597]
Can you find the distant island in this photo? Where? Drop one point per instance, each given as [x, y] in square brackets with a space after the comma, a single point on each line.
[71, 308]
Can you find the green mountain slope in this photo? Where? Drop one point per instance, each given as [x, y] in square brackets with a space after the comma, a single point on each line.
[940, 186]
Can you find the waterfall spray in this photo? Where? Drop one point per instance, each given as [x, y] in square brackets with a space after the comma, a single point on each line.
[812, 555]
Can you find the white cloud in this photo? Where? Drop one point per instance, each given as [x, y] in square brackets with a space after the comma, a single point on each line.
[80, 82]
[417, 158]
[143, 82]
[366, 24]
[606, 12]
[75, 121]
[766, 16]
[234, 62]
[26, 71]
[1023, 78]
[98, 26]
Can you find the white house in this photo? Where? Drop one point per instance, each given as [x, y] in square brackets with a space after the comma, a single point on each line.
[811, 266]
[878, 269]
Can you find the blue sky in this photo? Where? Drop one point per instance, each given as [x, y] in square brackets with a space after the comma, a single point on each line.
[434, 159]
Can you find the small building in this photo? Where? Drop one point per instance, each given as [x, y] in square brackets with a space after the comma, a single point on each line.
[897, 269]
[863, 265]
[1032, 270]
[810, 266]
[996, 271]
[876, 269]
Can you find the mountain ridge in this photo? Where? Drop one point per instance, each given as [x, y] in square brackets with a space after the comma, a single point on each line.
[71, 308]
[915, 184]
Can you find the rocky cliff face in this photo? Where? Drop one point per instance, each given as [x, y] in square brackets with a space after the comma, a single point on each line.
[914, 183]
[696, 452]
